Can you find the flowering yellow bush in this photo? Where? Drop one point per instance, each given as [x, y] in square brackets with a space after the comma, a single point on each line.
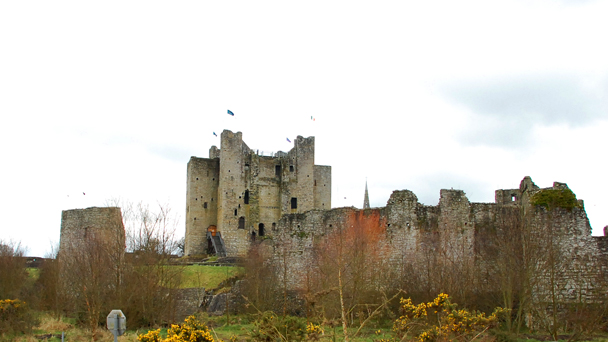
[192, 330]
[313, 332]
[439, 320]
[15, 316]
[150, 336]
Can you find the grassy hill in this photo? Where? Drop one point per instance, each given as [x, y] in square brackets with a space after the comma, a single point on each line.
[207, 276]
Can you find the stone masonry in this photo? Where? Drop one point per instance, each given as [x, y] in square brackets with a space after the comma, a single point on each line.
[461, 232]
[104, 224]
[241, 194]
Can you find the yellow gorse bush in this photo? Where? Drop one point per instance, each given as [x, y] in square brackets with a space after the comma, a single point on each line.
[440, 320]
[150, 336]
[192, 330]
[312, 328]
[15, 316]
[8, 305]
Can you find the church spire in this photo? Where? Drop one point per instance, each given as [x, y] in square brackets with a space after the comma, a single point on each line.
[366, 199]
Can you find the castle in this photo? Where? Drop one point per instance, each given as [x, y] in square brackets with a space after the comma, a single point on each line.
[237, 194]
[533, 240]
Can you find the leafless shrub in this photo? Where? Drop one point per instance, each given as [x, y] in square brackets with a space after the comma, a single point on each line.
[12, 268]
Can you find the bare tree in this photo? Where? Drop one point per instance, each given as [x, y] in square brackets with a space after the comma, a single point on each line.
[51, 298]
[12, 268]
[350, 262]
[148, 228]
[89, 270]
[150, 283]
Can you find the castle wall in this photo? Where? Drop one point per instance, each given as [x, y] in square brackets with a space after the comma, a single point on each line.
[456, 226]
[461, 241]
[568, 267]
[297, 235]
[267, 185]
[322, 187]
[299, 183]
[201, 202]
[404, 222]
[233, 183]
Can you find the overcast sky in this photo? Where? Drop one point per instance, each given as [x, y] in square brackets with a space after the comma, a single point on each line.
[111, 98]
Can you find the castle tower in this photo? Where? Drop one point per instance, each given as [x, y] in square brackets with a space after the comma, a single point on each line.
[240, 194]
[366, 199]
[103, 224]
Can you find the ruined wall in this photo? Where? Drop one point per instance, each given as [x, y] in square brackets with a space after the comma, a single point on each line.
[322, 187]
[103, 224]
[410, 231]
[569, 267]
[297, 235]
[461, 241]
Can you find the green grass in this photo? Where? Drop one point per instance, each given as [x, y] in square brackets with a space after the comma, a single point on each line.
[33, 273]
[208, 277]
[194, 276]
[241, 325]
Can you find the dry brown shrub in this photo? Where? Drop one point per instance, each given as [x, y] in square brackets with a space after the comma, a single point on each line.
[26, 338]
[12, 269]
[51, 324]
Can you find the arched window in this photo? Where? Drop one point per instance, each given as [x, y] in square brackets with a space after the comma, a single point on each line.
[241, 222]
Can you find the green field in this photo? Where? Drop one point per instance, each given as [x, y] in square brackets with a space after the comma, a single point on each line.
[208, 277]
[33, 273]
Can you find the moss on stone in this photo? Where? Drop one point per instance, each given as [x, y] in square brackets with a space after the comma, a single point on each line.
[555, 198]
[300, 234]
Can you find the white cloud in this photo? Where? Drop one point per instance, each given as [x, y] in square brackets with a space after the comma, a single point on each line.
[112, 98]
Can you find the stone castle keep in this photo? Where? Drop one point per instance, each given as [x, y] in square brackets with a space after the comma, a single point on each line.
[237, 193]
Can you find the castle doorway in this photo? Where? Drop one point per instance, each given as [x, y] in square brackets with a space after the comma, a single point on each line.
[261, 229]
[211, 232]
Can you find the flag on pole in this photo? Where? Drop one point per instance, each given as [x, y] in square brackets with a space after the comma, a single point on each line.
[230, 112]
[214, 134]
[288, 140]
